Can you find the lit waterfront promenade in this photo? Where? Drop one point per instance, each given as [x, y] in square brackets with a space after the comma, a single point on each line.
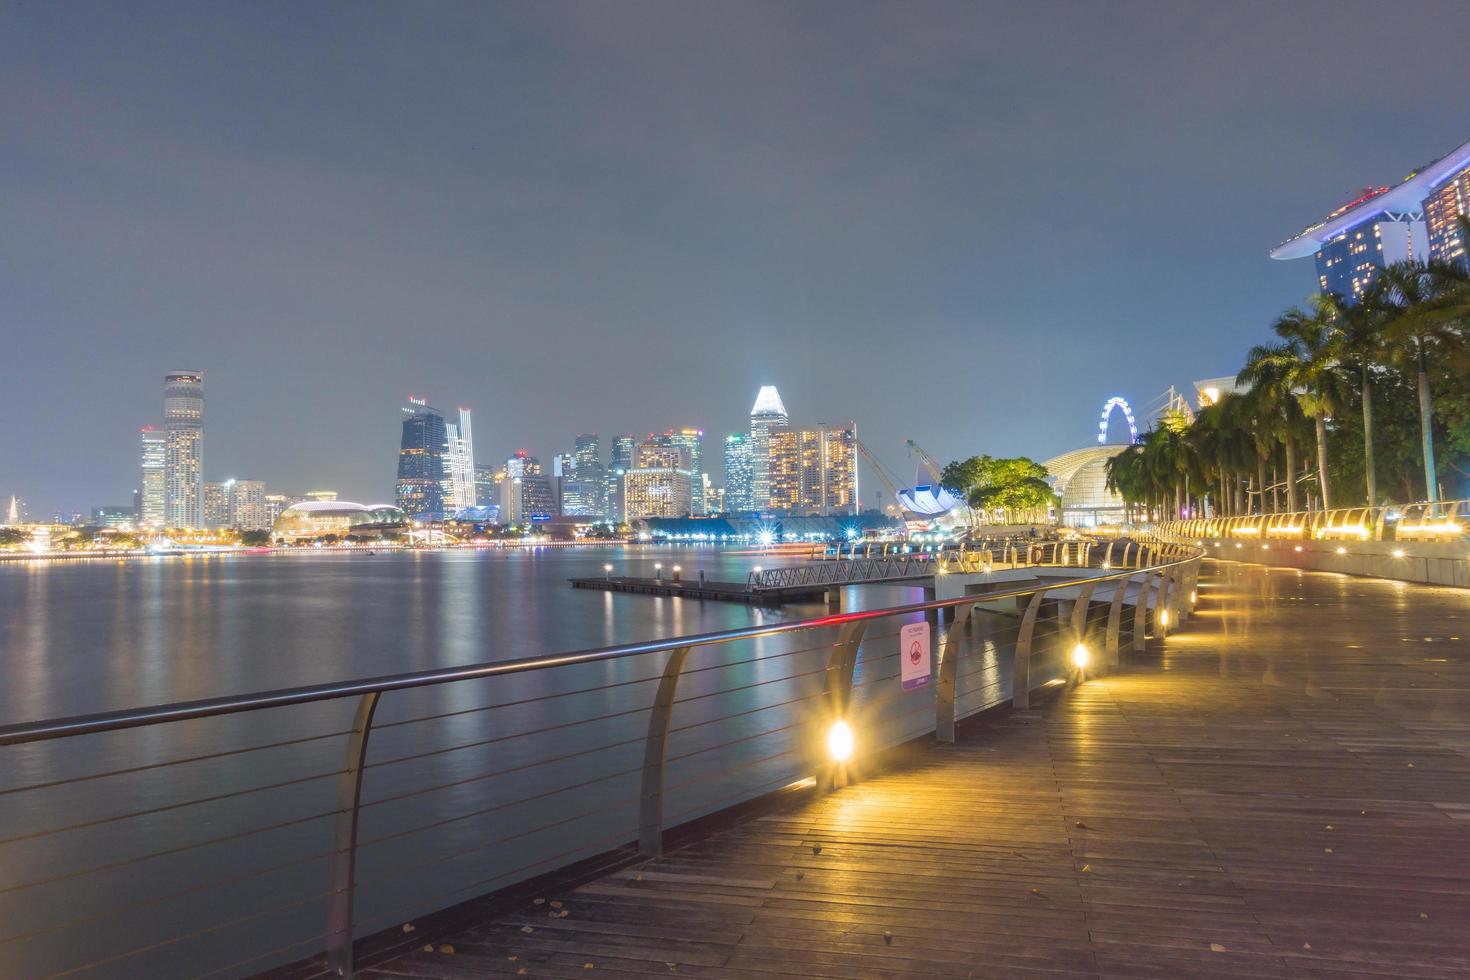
[1282, 789]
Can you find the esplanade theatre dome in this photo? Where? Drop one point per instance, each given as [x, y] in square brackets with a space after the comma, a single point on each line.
[314, 518]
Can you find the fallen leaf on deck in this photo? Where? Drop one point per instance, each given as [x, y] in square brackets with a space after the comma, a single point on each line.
[428, 947]
[447, 949]
[1080, 824]
[1087, 867]
[527, 930]
[888, 937]
[1306, 945]
[1423, 915]
[540, 901]
[816, 848]
[1326, 850]
[408, 927]
[1217, 948]
[556, 905]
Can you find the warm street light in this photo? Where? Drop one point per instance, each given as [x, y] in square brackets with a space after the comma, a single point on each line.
[839, 742]
[1080, 656]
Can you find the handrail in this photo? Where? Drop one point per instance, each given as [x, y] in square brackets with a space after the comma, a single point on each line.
[1174, 567]
[1441, 520]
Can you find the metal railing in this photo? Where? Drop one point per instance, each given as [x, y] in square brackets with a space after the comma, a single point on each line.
[578, 726]
[1446, 520]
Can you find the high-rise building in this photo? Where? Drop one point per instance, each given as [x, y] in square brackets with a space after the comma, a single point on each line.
[151, 492]
[768, 411]
[813, 470]
[183, 459]
[1415, 219]
[660, 482]
[486, 492]
[274, 504]
[112, 516]
[738, 474]
[420, 489]
[248, 511]
[620, 463]
[526, 494]
[584, 493]
[216, 504]
[459, 464]
[693, 441]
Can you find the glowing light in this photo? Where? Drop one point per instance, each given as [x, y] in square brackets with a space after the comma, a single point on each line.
[1434, 527]
[1246, 531]
[766, 538]
[1298, 547]
[1163, 617]
[1193, 597]
[1398, 552]
[1285, 529]
[1342, 551]
[1265, 546]
[1080, 656]
[1102, 428]
[839, 742]
[1239, 545]
[607, 568]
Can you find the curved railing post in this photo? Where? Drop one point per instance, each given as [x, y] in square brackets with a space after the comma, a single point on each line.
[1021, 664]
[946, 687]
[651, 797]
[344, 849]
[1168, 594]
[1140, 614]
[1115, 617]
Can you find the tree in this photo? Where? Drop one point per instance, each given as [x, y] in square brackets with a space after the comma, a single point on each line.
[1309, 368]
[1270, 373]
[1423, 308]
[1017, 486]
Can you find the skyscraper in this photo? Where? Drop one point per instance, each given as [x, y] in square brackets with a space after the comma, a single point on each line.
[420, 489]
[737, 473]
[620, 464]
[485, 492]
[584, 493]
[183, 460]
[659, 483]
[151, 492]
[767, 411]
[215, 505]
[459, 464]
[1415, 219]
[693, 441]
[247, 506]
[813, 470]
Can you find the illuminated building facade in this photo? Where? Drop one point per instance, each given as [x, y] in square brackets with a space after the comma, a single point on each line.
[660, 482]
[813, 470]
[526, 495]
[216, 504]
[485, 488]
[767, 412]
[620, 463]
[247, 506]
[420, 488]
[459, 464]
[691, 440]
[739, 495]
[340, 519]
[183, 459]
[151, 492]
[320, 495]
[1443, 209]
[584, 492]
[1415, 220]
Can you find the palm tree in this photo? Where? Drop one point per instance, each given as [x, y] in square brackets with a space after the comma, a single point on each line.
[1359, 341]
[1270, 374]
[1311, 370]
[1423, 306]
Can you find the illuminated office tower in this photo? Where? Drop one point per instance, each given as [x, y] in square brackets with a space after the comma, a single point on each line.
[274, 504]
[620, 463]
[813, 470]
[486, 492]
[247, 506]
[183, 451]
[768, 411]
[459, 464]
[151, 493]
[659, 484]
[691, 440]
[420, 489]
[1443, 208]
[216, 504]
[738, 475]
[584, 494]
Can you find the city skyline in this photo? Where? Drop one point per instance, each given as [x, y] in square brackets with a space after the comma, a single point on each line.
[1002, 196]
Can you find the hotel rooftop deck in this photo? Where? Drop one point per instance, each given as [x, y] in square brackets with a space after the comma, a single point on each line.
[1282, 791]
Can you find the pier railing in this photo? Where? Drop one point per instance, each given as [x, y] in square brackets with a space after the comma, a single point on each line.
[1444, 520]
[231, 834]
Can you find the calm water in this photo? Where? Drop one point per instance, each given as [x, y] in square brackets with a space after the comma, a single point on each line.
[469, 787]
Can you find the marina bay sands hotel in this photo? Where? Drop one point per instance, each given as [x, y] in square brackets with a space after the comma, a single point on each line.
[1414, 219]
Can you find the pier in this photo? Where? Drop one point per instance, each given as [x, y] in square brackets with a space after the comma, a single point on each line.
[1281, 790]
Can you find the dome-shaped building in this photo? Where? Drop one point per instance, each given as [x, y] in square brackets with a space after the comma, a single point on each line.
[316, 518]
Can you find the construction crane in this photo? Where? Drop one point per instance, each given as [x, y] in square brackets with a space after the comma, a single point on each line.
[927, 460]
[878, 469]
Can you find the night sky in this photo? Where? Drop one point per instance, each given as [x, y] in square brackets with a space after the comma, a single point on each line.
[967, 223]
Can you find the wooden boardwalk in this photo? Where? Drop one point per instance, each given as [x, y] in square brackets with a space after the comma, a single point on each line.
[1283, 791]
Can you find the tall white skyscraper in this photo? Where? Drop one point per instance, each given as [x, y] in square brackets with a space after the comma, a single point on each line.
[183, 460]
[767, 412]
[459, 465]
[151, 493]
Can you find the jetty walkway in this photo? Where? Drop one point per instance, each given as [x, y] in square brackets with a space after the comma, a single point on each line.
[1279, 789]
